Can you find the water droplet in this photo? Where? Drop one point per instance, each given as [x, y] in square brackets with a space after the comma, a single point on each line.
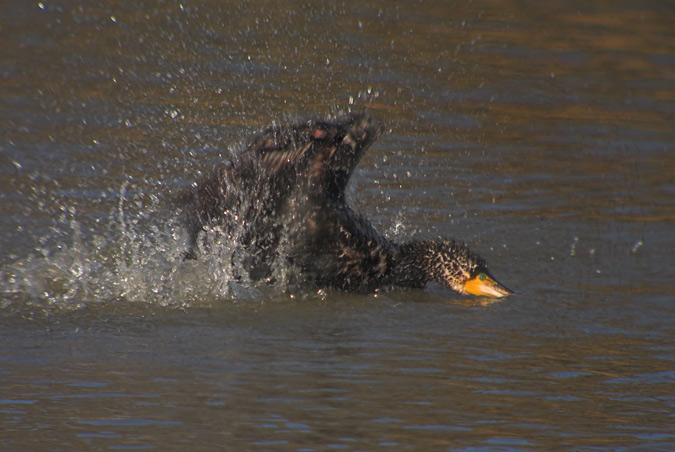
[573, 248]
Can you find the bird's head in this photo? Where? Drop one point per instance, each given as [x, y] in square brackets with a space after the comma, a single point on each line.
[462, 270]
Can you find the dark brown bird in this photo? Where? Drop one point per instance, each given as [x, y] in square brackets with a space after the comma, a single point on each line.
[283, 198]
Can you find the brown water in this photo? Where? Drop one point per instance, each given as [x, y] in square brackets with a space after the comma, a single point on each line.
[539, 132]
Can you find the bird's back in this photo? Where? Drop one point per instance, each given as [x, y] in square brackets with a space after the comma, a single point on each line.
[287, 187]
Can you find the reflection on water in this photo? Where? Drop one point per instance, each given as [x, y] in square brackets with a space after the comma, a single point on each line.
[539, 133]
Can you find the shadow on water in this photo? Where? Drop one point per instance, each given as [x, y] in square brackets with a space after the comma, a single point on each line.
[540, 134]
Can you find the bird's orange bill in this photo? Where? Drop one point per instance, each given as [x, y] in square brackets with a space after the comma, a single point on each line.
[484, 285]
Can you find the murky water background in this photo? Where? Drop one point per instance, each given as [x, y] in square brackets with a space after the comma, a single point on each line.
[539, 132]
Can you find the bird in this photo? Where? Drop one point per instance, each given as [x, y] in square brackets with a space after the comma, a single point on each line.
[282, 200]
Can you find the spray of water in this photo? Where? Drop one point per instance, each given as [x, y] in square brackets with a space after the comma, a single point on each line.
[137, 257]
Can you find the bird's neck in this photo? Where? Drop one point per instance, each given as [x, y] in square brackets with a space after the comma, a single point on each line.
[410, 264]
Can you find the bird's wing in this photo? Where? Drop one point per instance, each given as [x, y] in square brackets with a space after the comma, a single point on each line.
[322, 154]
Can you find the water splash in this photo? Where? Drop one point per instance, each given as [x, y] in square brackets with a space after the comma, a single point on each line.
[135, 258]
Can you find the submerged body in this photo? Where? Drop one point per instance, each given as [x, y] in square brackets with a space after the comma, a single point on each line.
[284, 198]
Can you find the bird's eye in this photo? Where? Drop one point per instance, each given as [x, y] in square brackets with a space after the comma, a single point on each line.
[482, 276]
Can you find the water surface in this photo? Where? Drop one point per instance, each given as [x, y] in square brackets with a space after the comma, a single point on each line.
[541, 134]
